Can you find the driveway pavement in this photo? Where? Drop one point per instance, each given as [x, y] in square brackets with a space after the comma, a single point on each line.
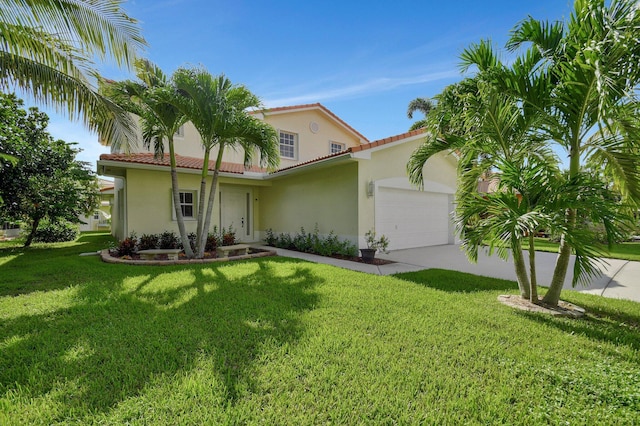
[620, 278]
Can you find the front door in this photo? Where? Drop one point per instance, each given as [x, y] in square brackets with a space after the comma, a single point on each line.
[235, 212]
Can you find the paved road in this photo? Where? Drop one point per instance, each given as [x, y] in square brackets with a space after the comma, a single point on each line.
[620, 279]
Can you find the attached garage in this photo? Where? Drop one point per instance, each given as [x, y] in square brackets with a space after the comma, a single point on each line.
[412, 218]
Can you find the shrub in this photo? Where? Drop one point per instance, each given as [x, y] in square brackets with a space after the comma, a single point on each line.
[127, 247]
[148, 242]
[285, 241]
[213, 241]
[228, 236]
[302, 241]
[169, 240]
[270, 238]
[55, 232]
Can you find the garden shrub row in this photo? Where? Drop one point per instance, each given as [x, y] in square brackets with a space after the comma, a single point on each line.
[312, 242]
[169, 240]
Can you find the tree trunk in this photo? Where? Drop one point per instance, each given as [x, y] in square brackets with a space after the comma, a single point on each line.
[212, 197]
[564, 252]
[34, 228]
[521, 272]
[559, 273]
[201, 201]
[533, 292]
[176, 201]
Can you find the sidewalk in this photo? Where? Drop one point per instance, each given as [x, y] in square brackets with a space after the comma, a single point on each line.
[620, 279]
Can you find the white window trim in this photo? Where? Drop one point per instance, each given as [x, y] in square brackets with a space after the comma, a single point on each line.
[295, 144]
[343, 146]
[195, 205]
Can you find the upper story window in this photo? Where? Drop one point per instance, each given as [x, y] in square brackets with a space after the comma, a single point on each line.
[180, 132]
[336, 147]
[288, 145]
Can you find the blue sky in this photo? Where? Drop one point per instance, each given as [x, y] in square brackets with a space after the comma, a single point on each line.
[363, 60]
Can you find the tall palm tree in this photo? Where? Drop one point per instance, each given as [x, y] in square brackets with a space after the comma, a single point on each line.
[152, 98]
[592, 65]
[581, 81]
[47, 48]
[423, 105]
[219, 111]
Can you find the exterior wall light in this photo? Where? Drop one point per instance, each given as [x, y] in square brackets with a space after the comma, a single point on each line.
[371, 187]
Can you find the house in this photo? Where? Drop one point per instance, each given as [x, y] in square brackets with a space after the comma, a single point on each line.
[100, 219]
[330, 175]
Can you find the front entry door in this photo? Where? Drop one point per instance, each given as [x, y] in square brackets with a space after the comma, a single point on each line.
[235, 211]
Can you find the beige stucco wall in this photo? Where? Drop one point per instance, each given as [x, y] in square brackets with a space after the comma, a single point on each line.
[149, 206]
[326, 196]
[310, 145]
[390, 165]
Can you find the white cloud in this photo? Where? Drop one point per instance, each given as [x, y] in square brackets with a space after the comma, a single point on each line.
[369, 87]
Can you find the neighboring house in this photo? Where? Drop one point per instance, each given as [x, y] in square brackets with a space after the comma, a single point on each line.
[100, 219]
[330, 175]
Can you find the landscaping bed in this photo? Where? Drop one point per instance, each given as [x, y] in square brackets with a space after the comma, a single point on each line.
[112, 256]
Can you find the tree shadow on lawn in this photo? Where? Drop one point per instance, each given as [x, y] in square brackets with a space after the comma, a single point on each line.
[456, 282]
[51, 266]
[154, 324]
[600, 323]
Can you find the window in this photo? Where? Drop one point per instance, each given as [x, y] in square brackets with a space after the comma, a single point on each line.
[180, 132]
[187, 204]
[288, 142]
[96, 215]
[336, 147]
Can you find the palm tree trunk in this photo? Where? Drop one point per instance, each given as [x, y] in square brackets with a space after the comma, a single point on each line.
[212, 197]
[564, 252]
[521, 272]
[176, 201]
[559, 273]
[533, 292]
[201, 200]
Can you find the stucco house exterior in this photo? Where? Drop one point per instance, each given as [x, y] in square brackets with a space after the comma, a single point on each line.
[100, 219]
[329, 175]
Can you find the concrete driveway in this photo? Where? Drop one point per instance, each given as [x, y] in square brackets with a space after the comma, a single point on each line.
[620, 279]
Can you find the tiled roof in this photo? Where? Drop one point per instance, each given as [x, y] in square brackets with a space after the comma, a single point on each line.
[196, 163]
[313, 106]
[181, 162]
[385, 141]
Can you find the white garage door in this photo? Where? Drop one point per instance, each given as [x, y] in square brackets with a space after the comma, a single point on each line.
[412, 218]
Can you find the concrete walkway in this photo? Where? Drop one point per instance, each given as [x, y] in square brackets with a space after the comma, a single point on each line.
[620, 279]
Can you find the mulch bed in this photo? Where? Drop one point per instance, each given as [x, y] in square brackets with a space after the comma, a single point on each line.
[375, 261]
[564, 309]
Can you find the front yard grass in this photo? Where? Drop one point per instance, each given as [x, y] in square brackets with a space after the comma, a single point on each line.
[625, 251]
[282, 341]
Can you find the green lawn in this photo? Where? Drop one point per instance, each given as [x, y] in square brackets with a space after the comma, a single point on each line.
[625, 251]
[282, 341]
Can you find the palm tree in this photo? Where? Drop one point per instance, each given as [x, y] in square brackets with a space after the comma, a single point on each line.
[423, 105]
[219, 111]
[590, 67]
[580, 80]
[47, 48]
[152, 98]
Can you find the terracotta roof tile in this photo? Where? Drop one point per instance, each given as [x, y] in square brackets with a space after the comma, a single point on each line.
[385, 141]
[181, 161]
